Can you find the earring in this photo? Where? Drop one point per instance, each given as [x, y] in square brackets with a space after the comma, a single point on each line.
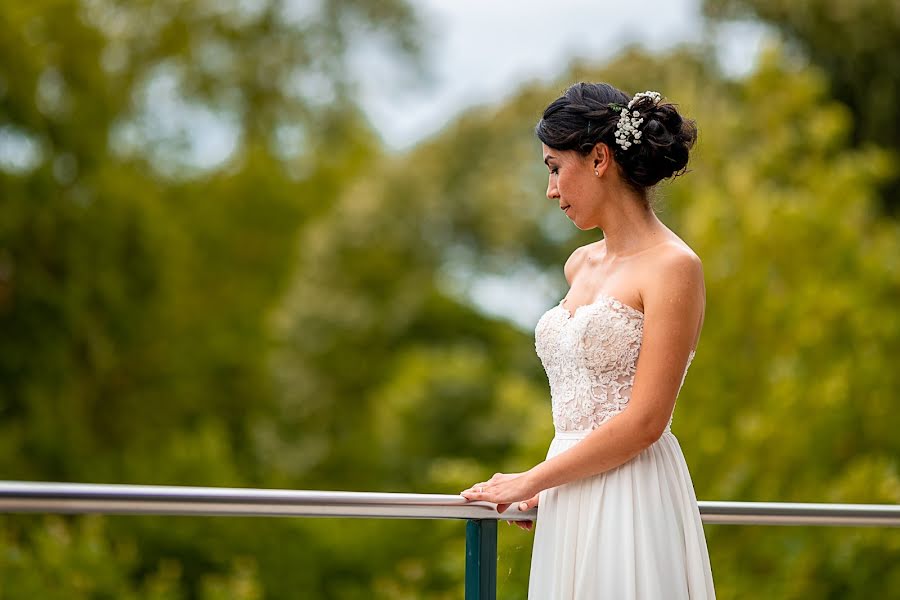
[597, 172]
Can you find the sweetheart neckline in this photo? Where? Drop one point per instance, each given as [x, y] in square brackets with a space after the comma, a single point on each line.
[571, 315]
[614, 300]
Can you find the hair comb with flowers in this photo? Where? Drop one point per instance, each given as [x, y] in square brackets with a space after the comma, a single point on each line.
[627, 129]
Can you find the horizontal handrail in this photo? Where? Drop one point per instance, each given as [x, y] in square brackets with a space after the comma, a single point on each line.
[16, 496]
[24, 496]
[800, 513]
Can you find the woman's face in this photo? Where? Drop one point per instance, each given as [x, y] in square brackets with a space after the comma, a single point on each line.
[573, 184]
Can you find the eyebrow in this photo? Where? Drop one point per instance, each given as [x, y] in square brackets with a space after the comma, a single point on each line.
[548, 157]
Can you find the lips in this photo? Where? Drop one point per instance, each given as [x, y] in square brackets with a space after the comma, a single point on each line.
[565, 208]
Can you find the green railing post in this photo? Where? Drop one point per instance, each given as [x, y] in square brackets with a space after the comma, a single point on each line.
[481, 559]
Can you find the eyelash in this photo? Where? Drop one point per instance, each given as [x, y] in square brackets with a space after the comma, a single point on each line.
[554, 171]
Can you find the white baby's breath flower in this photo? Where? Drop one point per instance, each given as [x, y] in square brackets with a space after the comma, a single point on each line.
[630, 120]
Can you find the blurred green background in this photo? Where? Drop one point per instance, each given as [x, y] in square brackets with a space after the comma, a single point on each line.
[303, 311]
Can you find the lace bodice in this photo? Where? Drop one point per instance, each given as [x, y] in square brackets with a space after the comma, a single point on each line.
[590, 358]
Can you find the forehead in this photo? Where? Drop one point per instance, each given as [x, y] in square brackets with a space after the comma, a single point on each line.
[548, 153]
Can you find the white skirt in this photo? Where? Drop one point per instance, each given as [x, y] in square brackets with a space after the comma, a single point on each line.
[631, 533]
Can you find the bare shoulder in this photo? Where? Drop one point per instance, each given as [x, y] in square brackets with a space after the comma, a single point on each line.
[578, 258]
[674, 276]
[675, 258]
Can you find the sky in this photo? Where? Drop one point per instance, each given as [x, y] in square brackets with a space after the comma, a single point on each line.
[482, 51]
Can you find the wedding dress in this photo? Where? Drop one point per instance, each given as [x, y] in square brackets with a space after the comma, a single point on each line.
[633, 532]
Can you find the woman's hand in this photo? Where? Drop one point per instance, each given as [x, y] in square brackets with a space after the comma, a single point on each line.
[503, 489]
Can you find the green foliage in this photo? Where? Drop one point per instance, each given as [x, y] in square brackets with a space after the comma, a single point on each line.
[803, 286]
[856, 44]
[135, 286]
[54, 558]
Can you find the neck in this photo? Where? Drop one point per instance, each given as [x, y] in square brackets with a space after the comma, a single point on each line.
[630, 226]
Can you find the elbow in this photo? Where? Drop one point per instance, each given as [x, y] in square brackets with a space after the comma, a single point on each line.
[650, 429]
[651, 436]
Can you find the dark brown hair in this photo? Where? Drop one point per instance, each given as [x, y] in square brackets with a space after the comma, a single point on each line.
[587, 114]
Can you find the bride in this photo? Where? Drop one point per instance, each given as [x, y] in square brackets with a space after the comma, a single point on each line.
[618, 516]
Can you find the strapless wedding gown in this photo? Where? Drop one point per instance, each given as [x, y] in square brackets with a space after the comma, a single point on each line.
[633, 532]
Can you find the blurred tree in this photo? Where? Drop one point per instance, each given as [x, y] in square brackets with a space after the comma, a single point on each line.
[136, 270]
[857, 43]
[109, 270]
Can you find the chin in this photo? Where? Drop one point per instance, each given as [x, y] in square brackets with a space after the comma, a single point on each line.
[581, 227]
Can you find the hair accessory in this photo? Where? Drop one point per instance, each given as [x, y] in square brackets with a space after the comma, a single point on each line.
[627, 132]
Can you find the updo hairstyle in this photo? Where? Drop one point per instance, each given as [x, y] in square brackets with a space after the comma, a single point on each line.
[583, 117]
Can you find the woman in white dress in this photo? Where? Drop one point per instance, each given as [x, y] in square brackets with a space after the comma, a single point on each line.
[617, 512]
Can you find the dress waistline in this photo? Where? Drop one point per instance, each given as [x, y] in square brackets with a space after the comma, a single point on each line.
[580, 434]
[576, 434]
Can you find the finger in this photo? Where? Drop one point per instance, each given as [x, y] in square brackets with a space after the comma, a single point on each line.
[477, 493]
[530, 503]
[525, 525]
[478, 487]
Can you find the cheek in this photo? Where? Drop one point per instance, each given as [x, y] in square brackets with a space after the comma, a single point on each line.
[575, 187]
[568, 183]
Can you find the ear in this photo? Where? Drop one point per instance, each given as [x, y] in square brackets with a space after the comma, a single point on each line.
[601, 157]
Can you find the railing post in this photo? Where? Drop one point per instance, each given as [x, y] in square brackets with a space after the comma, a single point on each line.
[481, 559]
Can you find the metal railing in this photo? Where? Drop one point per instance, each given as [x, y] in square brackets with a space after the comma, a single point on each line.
[482, 517]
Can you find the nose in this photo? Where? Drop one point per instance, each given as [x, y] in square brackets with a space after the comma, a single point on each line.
[552, 191]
